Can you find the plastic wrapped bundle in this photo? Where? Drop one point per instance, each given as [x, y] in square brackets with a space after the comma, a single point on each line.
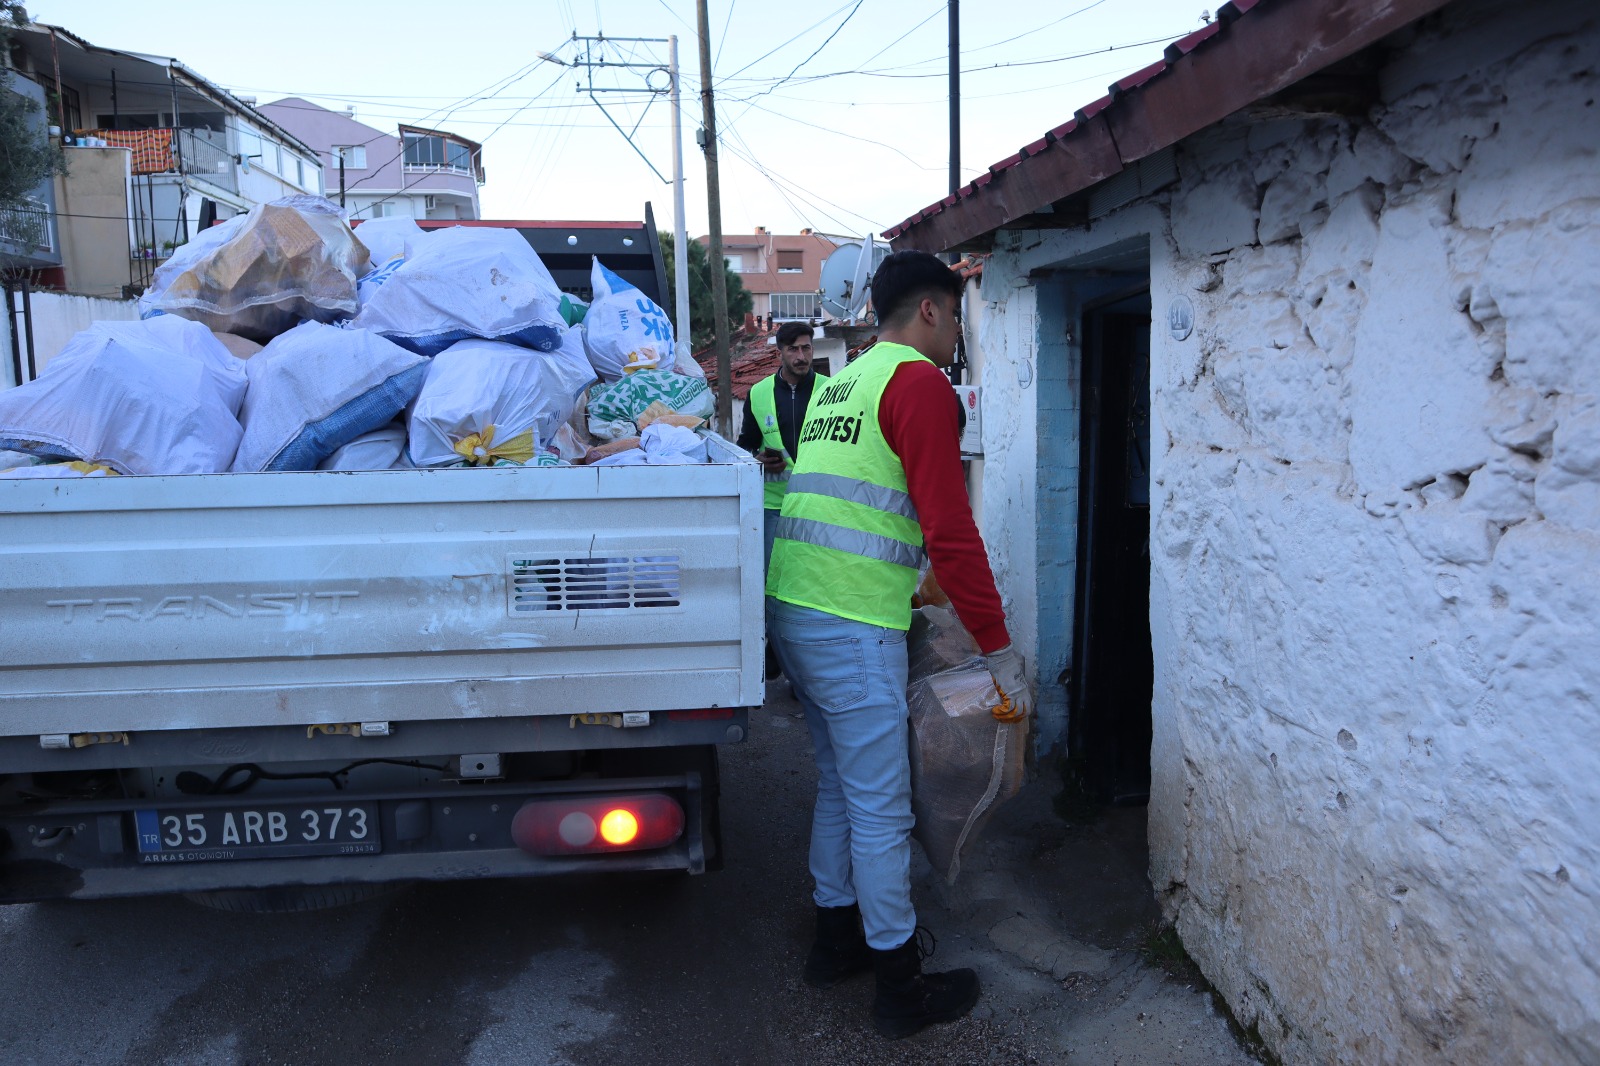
[159, 396]
[260, 274]
[964, 763]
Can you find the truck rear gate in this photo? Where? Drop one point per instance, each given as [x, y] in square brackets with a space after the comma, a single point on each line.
[210, 621]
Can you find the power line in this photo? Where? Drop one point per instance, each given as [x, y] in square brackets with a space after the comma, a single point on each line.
[847, 136]
[724, 39]
[522, 74]
[796, 188]
[787, 43]
[813, 55]
[890, 72]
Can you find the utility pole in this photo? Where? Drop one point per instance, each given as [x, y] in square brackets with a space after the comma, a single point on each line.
[719, 284]
[587, 62]
[955, 95]
[680, 243]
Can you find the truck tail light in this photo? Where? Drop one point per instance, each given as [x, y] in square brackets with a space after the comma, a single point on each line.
[588, 825]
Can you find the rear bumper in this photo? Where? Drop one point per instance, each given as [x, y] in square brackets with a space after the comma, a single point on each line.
[88, 850]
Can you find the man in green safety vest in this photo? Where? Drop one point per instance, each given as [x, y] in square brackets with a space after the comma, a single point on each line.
[876, 486]
[773, 412]
[772, 415]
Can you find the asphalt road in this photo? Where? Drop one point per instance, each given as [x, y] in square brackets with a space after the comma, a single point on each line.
[562, 972]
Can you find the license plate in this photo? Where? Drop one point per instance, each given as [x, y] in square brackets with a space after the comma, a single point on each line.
[260, 832]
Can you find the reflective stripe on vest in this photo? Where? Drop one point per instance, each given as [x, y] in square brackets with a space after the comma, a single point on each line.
[848, 541]
[854, 541]
[855, 491]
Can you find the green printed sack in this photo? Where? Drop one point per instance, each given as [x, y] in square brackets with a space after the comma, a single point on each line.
[624, 400]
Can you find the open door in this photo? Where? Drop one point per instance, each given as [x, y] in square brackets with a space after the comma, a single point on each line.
[1112, 674]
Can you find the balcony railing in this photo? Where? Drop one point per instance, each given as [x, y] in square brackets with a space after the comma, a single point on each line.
[27, 223]
[204, 154]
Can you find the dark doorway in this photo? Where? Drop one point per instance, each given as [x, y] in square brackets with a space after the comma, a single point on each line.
[1109, 726]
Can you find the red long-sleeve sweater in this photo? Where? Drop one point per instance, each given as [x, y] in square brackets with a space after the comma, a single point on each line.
[919, 422]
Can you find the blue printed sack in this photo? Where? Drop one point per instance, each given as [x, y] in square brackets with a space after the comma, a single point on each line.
[624, 330]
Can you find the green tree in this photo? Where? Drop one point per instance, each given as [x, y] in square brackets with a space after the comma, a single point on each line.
[701, 316]
[26, 155]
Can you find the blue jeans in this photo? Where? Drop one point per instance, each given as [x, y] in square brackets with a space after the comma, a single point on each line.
[850, 678]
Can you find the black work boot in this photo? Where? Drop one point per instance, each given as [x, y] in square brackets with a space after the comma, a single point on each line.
[909, 1000]
[840, 950]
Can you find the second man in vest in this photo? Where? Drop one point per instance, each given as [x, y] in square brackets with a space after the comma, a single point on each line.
[773, 413]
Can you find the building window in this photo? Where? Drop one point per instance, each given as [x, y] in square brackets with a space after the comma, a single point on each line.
[735, 263]
[427, 150]
[380, 209]
[354, 156]
[789, 306]
[791, 262]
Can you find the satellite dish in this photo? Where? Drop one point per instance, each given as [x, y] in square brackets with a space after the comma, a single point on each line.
[847, 277]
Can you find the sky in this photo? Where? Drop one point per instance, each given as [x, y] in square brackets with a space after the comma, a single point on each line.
[833, 117]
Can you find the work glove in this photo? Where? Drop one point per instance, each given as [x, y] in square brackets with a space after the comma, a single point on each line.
[1016, 702]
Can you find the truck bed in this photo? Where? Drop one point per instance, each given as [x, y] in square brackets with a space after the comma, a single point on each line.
[140, 604]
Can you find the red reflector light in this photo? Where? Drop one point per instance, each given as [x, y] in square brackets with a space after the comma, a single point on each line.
[583, 825]
[702, 715]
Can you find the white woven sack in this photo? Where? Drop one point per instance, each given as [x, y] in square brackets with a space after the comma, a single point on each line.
[159, 396]
[624, 330]
[387, 238]
[318, 387]
[382, 449]
[462, 282]
[498, 402]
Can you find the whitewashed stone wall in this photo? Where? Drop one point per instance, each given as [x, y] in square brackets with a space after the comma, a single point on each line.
[1375, 811]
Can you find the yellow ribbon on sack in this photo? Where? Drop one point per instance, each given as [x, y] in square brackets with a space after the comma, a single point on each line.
[84, 467]
[481, 449]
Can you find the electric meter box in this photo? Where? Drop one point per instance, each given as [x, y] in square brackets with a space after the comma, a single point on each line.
[972, 435]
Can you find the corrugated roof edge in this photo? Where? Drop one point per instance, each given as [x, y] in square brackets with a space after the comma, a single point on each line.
[1284, 40]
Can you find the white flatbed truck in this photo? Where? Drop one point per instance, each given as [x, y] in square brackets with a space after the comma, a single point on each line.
[311, 684]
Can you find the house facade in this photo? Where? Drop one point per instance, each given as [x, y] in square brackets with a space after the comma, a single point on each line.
[154, 153]
[415, 172]
[1289, 364]
[782, 272]
[29, 242]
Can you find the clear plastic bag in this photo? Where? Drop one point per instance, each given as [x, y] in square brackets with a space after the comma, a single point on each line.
[964, 763]
[260, 274]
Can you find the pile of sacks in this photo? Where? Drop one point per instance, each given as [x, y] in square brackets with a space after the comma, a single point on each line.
[282, 340]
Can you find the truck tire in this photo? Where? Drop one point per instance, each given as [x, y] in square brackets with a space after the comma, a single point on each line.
[287, 899]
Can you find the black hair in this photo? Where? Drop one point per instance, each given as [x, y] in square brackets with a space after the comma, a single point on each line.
[790, 332]
[905, 278]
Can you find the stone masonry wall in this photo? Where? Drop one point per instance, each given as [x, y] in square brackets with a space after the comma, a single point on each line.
[1376, 556]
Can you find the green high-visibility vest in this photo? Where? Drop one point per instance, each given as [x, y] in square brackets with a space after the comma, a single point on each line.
[764, 406]
[848, 541]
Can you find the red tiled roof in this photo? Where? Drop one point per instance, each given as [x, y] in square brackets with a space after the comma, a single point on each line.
[1201, 79]
[751, 358]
